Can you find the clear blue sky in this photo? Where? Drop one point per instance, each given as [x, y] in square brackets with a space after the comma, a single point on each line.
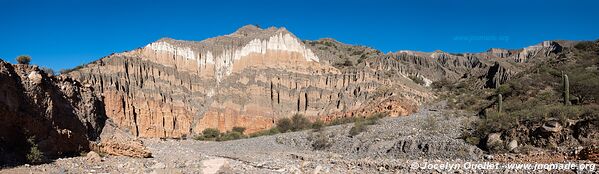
[62, 34]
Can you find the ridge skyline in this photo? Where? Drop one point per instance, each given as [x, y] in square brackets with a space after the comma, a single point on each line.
[59, 40]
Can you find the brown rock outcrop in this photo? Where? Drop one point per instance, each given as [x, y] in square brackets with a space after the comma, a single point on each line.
[115, 141]
[57, 114]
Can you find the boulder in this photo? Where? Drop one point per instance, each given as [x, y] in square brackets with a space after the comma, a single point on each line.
[494, 140]
[93, 157]
[552, 126]
[512, 145]
[115, 141]
[35, 77]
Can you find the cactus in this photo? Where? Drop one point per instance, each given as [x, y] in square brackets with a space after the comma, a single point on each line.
[566, 84]
[499, 103]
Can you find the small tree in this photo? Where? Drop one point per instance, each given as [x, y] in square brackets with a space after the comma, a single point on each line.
[239, 129]
[284, 124]
[299, 122]
[317, 125]
[210, 133]
[34, 156]
[24, 59]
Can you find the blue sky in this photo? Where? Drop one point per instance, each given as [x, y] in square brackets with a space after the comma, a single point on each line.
[62, 34]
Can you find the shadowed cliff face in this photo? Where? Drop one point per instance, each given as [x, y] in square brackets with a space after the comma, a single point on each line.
[252, 77]
[57, 114]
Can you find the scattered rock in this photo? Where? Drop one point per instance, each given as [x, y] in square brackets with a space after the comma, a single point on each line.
[35, 77]
[93, 157]
[493, 140]
[159, 166]
[512, 145]
[213, 166]
[552, 126]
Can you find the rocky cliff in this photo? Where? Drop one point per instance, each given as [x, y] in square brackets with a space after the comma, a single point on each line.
[43, 117]
[57, 114]
[252, 77]
[249, 78]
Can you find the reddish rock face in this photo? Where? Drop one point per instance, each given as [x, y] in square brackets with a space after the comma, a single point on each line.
[253, 77]
[250, 79]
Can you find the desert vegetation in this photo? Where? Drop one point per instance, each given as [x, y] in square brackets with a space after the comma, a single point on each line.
[23, 59]
[297, 122]
[559, 90]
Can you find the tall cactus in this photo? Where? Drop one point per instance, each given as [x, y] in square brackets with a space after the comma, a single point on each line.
[566, 84]
[499, 103]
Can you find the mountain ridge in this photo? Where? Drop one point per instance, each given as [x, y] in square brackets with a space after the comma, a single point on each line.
[252, 77]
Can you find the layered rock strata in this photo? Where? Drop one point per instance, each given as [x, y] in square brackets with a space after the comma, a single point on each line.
[250, 78]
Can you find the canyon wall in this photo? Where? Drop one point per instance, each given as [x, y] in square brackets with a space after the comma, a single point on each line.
[253, 77]
[57, 114]
[250, 78]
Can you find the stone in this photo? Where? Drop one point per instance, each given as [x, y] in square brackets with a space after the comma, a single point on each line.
[115, 141]
[493, 139]
[552, 126]
[512, 145]
[35, 77]
[213, 166]
[158, 166]
[93, 157]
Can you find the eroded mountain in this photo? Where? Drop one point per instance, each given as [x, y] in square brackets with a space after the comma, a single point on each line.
[252, 77]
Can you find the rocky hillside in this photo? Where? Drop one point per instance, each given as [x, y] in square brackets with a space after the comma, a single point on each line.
[253, 77]
[531, 109]
[249, 78]
[55, 116]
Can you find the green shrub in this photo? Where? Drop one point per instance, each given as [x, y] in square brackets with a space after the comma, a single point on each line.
[230, 136]
[504, 89]
[239, 129]
[270, 131]
[584, 45]
[34, 156]
[284, 124]
[584, 85]
[210, 133]
[23, 59]
[320, 142]
[318, 124]
[358, 128]
[65, 71]
[341, 120]
[563, 113]
[299, 122]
